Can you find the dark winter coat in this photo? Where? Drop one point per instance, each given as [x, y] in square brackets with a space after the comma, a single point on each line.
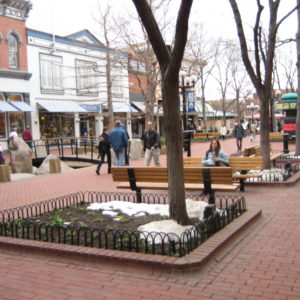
[238, 131]
[151, 139]
[104, 145]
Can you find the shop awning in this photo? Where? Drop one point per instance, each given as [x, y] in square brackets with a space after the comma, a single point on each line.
[123, 107]
[141, 106]
[61, 106]
[91, 108]
[6, 107]
[22, 106]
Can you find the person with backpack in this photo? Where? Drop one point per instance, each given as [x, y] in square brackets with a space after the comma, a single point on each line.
[104, 150]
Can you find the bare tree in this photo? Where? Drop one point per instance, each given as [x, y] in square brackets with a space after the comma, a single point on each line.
[170, 61]
[143, 52]
[239, 84]
[261, 72]
[202, 53]
[106, 27]
[222, 74]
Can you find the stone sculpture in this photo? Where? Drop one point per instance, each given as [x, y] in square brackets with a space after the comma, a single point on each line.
[20, 155]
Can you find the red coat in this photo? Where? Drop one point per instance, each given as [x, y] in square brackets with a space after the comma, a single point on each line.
[27, 135]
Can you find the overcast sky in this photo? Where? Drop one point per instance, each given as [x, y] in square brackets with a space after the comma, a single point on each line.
[64, 17]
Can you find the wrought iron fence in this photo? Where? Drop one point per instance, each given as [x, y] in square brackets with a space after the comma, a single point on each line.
[70, 148]
[22, 222]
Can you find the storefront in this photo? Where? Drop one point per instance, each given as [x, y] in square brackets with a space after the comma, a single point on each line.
[58, 118]
[14, 113]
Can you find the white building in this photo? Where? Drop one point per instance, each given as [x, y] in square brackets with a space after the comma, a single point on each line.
[69, 86]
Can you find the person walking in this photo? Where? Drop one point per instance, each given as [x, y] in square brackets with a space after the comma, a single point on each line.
[27, 137]
[104, 150]
[253, 130]
[223, 131]
[151, 145]
[215, 156]
[118, 141]
[2, 161]
[239, 133]
[126, 147]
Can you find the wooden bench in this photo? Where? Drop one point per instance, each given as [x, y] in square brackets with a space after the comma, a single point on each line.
[241, 164]
[276, 136]
[244, 164]
[255, 151]
[206, 179]
[206, 135]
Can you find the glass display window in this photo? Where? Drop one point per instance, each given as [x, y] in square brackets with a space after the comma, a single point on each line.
[53, 125]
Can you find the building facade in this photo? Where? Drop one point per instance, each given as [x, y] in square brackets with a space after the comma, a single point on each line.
[69, 84]
[15, 77]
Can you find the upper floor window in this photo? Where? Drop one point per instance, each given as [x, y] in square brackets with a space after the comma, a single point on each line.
[51, 74]
[117, 82]
[13, 51]
[87, 78]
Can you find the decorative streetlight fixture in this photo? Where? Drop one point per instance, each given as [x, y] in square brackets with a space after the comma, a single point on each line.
[185, 82]
[252, 107]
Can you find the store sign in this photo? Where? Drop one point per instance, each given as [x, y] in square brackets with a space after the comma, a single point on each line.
[289, 127]
[191, 101]
[286, 106]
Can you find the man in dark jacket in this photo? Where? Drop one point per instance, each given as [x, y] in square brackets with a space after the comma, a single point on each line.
[239, 133]
[151, 145]
[104, 149]
[118, 141]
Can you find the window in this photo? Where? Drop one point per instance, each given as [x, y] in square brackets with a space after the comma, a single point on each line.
[16, 119]
[51, 74]
[13, 50]
[138, 66]
[2, 121]
[117, 88]
[87, 78]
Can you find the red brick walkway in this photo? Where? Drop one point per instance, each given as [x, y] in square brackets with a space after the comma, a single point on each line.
[263, 263]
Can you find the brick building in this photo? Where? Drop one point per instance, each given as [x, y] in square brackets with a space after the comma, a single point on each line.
[14, 76]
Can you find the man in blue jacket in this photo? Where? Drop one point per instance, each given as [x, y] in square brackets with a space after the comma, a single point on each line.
[118, 140]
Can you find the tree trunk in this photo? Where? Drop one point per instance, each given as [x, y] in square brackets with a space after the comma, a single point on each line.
[298, 70]
[174, 138]
[203, 103]
[264, 128]
[109, 92]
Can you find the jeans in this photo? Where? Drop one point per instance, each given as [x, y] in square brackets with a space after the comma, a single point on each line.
[120, 158]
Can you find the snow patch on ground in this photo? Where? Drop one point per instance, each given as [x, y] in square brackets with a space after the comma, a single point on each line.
[157, 229]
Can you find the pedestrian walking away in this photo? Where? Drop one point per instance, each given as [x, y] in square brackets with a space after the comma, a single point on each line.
[215, 156]
[253, 130]
[118, 141]
[126, 147]
[27, 136]
[151, 145]
[104, 150]
[223, 131]
[239, 133]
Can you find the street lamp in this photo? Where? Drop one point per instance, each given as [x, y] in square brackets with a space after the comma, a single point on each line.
[185, 82]
[252, 107]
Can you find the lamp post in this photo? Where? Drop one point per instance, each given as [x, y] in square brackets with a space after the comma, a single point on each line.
[185, 82]
[252, 107]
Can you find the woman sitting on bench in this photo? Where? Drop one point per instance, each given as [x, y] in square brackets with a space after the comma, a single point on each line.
[215, 156]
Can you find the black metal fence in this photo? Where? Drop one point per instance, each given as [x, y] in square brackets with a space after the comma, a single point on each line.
[71, 148]
[21, 222]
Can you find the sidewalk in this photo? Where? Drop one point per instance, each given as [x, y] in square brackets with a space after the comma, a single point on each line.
[263, 263]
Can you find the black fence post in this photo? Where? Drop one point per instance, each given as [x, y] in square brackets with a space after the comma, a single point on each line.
[286, 143]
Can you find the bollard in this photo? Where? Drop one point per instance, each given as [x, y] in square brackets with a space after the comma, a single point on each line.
[286, 143]
[54, 166]
[4, 173]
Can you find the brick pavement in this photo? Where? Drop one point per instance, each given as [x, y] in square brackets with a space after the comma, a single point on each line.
[262, 263]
